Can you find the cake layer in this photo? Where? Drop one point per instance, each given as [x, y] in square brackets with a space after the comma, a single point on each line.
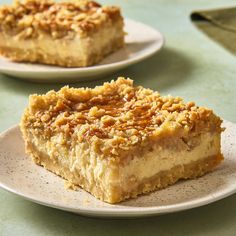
[142, 172]
[70, 34]
[159, 181]
[164, 164]
[86, 171]
[170, 152]
[79, 52]
[171, 176]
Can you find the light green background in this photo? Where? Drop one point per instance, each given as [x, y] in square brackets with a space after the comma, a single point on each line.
[191, 66]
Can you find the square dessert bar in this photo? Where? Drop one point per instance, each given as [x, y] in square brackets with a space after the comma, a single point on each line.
[117, 141]
[68, 33]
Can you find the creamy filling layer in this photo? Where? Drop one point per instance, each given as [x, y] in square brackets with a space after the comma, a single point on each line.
[165, 159]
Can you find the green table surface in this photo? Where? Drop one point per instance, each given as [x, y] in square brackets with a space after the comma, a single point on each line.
[191, 66]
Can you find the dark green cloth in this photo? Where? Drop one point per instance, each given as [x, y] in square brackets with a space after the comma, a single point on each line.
[218, 24]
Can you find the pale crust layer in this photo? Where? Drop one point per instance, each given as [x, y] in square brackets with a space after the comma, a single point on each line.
[156, 182]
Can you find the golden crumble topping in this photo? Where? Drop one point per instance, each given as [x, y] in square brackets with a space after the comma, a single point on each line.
[29, 18]
[116, 116]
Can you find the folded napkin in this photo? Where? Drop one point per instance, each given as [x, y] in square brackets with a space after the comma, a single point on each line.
[218, 24]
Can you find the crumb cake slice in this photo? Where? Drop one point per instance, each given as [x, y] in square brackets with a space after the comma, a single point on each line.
[117, 141]
[68, 33]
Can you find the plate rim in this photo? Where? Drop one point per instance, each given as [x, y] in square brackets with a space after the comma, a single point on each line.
[96, 68]
[129, 211]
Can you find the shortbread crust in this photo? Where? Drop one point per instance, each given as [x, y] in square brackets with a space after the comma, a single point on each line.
[101, 138]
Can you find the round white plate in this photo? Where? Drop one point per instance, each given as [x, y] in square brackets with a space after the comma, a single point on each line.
[19, 175]
[142, 41]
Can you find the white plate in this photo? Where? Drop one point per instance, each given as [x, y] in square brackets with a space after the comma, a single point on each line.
[142, 41]
[19, 175]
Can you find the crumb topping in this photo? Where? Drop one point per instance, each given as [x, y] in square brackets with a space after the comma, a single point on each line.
[31, 18]
[116, 116]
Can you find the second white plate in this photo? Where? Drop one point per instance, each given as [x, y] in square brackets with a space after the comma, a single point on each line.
[18, 174]
[142, 41]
